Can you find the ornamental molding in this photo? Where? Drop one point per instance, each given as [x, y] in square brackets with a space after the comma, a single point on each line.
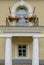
[34, 35]
[21, 3]
[14, 29]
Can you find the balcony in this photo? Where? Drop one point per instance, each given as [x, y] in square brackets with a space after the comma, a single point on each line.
[22, 21]
[11, 26]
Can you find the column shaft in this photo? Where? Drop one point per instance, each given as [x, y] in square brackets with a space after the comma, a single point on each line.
[8, 52]
[35, 58]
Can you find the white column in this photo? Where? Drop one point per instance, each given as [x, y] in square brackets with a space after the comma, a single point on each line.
[35, 56]
[8, 52]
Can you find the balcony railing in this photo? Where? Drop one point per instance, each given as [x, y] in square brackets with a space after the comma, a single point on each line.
[29, 21]
[11, 26]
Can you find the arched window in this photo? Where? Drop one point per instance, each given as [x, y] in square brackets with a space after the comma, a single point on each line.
[21, 12]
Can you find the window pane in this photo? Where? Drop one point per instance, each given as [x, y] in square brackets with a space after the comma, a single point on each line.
[24, 51]
[24, 46]
[20, 51]
[24, 54]
[20, 54]
[20, 46]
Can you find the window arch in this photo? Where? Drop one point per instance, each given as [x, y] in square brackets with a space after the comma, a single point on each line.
[25, 4]
[21, 11]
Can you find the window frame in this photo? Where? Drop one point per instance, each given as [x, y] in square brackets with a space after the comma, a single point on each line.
[27, 50]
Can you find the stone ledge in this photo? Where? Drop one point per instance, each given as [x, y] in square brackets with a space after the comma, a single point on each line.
[23, 61]
[22, 29]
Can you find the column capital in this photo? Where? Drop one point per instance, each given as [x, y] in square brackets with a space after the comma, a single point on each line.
[35, 36]
[9, 37]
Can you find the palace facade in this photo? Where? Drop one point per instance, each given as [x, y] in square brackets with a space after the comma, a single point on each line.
[21, 32]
